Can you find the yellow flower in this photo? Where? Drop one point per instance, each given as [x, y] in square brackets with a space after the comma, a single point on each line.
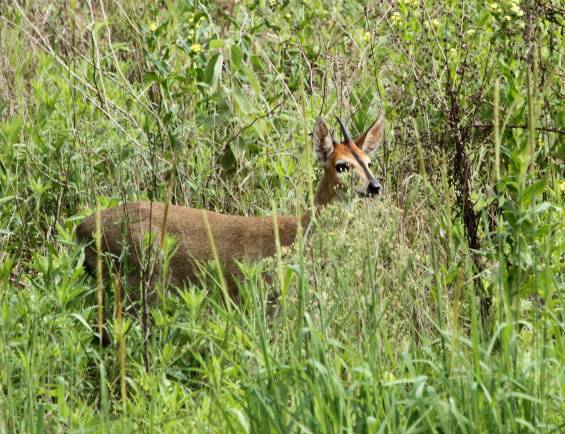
[516, 10]
[153, 27]
[196, 48]
[142, 383]
[470, 32]
[494, 7]
[395, 18]
[367, 36]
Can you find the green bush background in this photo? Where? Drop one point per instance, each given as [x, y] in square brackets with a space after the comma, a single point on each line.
[386, 321]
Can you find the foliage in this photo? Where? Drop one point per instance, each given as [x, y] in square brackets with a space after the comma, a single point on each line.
[436, 308]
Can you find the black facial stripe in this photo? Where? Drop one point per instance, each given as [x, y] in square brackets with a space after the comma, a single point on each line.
[368, 175]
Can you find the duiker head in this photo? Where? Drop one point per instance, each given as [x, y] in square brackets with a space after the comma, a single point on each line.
[348, 163]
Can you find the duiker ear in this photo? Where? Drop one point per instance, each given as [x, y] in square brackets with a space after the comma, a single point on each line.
[369, 140]
[323, 143]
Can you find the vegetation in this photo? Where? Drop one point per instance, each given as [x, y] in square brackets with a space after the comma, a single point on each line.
[436, 308]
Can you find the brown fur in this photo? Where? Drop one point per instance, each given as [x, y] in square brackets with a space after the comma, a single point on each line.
[237, 238]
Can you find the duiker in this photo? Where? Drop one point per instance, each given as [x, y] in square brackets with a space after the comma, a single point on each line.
[125, 229]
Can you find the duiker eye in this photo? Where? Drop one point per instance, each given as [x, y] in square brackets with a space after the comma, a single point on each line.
[341, 167]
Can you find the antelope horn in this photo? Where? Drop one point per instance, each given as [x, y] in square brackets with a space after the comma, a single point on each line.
[344, 131]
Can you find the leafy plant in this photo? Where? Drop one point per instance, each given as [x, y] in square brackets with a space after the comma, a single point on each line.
[436, 308]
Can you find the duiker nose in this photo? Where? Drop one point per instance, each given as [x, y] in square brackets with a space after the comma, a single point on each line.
[373, 188]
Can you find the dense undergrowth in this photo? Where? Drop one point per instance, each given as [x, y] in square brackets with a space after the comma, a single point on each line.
[435, 308]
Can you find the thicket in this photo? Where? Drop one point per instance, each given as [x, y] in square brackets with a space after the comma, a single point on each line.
[436, 308]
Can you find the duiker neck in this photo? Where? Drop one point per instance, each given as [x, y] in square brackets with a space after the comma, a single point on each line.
[326, 190]
[325, 193]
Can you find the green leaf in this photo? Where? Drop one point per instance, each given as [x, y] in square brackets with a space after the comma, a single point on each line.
[236, 56]
[149, 77]
[213, 71]
[252, 79]
[83, 321]
[6, 199]
[98, 27]
[534, 190]
[542, 207]
[287, 280]
[241, 419]
[217, 43]
[241, 101]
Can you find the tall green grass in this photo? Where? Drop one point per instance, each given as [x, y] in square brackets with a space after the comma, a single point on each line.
[381, 318]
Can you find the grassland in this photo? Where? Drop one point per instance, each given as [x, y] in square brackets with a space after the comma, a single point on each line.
[435, 308]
